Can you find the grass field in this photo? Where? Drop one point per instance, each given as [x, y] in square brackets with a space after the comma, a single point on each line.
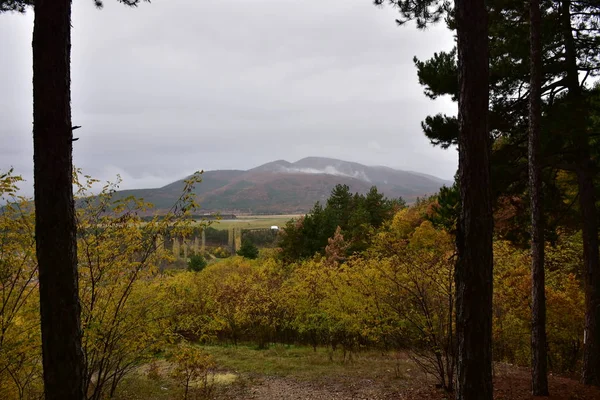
[304, 363]
[253, 221]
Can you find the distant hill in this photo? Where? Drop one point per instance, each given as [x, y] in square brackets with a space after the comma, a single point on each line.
[281, 187]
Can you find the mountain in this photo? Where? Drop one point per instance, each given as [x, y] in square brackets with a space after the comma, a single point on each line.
[282, 187]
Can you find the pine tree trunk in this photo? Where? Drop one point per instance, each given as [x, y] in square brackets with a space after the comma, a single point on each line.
[591, 348]
[474, 237]
[539, 358]
[54, 208]
[587, 203]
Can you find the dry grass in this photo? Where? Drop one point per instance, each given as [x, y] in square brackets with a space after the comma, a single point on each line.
[153, 382]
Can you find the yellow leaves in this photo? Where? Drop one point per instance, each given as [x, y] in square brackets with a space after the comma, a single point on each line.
[427, 237]
[191, 360]
[123, 316]
[237, 295]
[566, 181]
[399, 292]
[192, 368]
[124, 308]
[19, 318]
[404, 222]
[8, 184]
[564, 302]
[565, 322]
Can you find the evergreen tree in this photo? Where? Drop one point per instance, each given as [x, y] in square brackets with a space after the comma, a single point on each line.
[197, 263]
[248, 250]
[570, 42]
[539, 358]
[378, 207]
[359, 228]
[475, 224]
[446, 209]
[55, 229]
[473, 277]
[356, 215]
[338, 204]
[585, 169]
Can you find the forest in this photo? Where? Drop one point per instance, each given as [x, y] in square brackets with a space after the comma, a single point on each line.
[501, 269]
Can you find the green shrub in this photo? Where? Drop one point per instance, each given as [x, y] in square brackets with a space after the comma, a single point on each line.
[248, 250]
[197, 263]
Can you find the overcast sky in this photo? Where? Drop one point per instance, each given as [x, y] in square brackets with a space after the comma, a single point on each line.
[175, 86]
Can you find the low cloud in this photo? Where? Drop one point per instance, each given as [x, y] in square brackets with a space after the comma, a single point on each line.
[328, 170]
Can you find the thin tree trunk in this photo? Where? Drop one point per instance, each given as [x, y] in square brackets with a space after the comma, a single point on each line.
[539, 357]
[54, 211]
[587, 203]
[474, 237]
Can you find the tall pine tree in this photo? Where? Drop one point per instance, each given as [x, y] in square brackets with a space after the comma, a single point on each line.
[570, 34]
[474, 266]
[55, 228]
[475, 225]
[539, 357]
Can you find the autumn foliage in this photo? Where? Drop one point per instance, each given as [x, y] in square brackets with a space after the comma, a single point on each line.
[395, 294]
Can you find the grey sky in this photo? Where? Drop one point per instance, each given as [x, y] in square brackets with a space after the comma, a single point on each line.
[175, 86]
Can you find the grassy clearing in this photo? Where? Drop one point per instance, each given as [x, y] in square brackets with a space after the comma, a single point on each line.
[292, 372]
[304, 363]
[239, 368]
[253, 221]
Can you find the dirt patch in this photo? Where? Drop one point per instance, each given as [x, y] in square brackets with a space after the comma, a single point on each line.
[509, 385]
[513, 383]
[287, 389]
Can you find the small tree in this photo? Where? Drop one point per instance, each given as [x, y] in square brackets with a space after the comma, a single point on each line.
[248, 250]
[197, 263]
[20, 376]
[412, 278]
[121, 314]
[192, 368]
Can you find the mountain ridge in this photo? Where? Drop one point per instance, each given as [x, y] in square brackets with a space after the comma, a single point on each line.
[280, 186]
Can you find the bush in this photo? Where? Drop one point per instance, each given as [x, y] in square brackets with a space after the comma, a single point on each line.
[192, 371]
[248, 250]
[197, 263]
[221, 252]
